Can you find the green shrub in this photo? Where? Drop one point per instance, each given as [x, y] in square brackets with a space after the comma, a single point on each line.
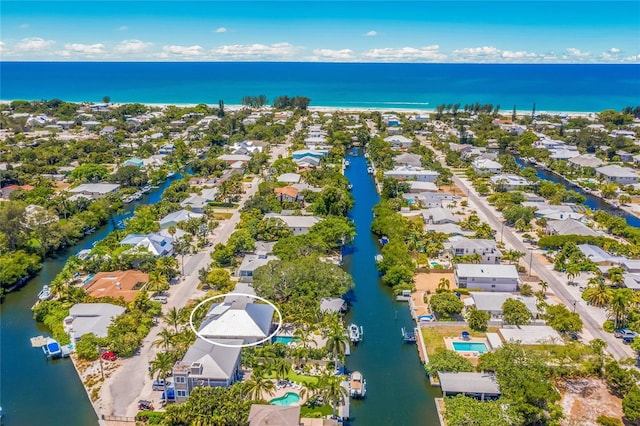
[609, 326]
[150, 417]
[608, 421]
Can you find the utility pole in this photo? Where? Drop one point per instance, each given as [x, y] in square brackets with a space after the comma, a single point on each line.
[530, 259]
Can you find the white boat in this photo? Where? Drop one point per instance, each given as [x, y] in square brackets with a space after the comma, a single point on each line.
[44, 294]
[52, 348]
[355, 333]
[171, 174]
[370, 170]
[145, 189]
[366, 155]
[357, 385]
[347, 163]
[137, 195]
[350, 187]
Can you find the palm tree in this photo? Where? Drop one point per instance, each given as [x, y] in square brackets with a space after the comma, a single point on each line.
[598, 295]
[544, 286]
[616, 276]
[444, 284]
[165, 339]
[337, 339]
[173, 318]
[259, 384]
[304, 337]
[572, 271]
[620, 305]
[157, 282]
[331, 389]
[160, 367]
[281, 368]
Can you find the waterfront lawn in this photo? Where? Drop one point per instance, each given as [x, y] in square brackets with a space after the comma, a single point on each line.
[316, 411]
[299, 378]
[434, 336]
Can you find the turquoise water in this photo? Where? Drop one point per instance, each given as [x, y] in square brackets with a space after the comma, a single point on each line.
[469, 347]
[288, 399]
[567, 87]
[284, 339]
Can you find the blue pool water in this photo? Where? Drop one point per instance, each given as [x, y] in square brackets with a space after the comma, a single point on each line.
[284, 339]
[89, 278]
[469, 347]
[288, 399]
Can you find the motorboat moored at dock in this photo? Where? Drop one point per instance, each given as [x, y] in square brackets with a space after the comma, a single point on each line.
[357, 385]
[355, 333]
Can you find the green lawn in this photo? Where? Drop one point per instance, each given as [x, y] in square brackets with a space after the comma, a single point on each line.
[434, 336]
[316, 412]
[294, 377]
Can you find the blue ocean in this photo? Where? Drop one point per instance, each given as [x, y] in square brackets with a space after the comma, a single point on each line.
[580, 88]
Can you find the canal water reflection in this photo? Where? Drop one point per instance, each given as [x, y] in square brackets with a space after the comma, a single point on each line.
[398, 391]
[34, 391]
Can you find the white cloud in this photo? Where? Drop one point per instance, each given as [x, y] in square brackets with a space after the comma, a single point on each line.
[23, 26]
[221, 30]
[332, 55]
[371, 33]
[507, 54]
[255, 51]
[122, 28]
[1, 46]
[185, 51]
[83, 49]
[572, 51]
[614, 50]
[474, 52]
[132, 46]
[493, 54]
[33, 43]
[410, 54]
[634, 58]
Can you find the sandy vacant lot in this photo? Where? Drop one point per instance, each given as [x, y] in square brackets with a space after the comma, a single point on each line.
[428, 282]
[583, 400]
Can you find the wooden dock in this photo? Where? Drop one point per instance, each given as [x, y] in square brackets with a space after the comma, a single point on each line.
[38, 341]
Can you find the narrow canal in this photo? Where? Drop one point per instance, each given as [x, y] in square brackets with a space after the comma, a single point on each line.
[398, 392]
[593, 202]
[34, 391]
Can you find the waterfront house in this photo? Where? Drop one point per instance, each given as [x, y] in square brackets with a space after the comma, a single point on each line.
[206, 364]
[412, 173]
[250, 263]
[438, 216]
[399, 141]
[563, 154]
[509, 182]
[531, 335]
[198, 203]
[461, 246]
[95, 191]
[617, 174]
[487, 277]
[492, 302]
[585, 161]
[125, 284]
[271, 415]
[475, 385]
[569, 227]
[599, 256]
[172, 219]
[333, 305]
[157, 244]
[289, 178]
[407, 159]
[85, 318]
[485, 166]
[298, 224]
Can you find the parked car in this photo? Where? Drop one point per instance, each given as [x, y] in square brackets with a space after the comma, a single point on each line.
[161, 299]
[625, 332]
[159, 385]
[144, 404]
[109, 356]
[171, 395]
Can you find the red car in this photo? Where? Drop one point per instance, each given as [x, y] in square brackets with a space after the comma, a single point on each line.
[109, 356]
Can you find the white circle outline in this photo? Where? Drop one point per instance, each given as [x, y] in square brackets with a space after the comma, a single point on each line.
[246, 345]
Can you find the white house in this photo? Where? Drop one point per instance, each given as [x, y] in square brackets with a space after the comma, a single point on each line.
[492, 302]
[289, 178]
[412, 173]
[298, 224]
[95, 190]
[172, 219]
[485, 166]
[438, 216]
[617, 174]
[487, 249]
[399, 141]
[250, 263]
[85, 318]
[487, 277]
[156, 244]
[509, 182]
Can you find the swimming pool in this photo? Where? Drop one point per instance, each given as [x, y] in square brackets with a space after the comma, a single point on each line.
[284, 339]
[88, 278]
[288, 399]
[469, 347]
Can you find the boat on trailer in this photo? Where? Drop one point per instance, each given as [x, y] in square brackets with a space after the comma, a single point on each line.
[355, 333]
[44, 294]
[357, 385]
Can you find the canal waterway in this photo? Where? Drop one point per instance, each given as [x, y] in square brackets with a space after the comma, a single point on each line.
[398, 391]
[34, 391]
[593, 202]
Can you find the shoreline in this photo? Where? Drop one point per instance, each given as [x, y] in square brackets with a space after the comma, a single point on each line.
[316, 108]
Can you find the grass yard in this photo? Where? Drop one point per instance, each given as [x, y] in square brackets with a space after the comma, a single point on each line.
[316, 412]
[222, 216]
[434, 336]
[295, 377]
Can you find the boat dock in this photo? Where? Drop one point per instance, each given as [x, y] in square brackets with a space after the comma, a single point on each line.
[408, 336]
[343, 408]
[38, 341]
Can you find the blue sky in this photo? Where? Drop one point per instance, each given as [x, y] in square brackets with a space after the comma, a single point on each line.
[359, 31]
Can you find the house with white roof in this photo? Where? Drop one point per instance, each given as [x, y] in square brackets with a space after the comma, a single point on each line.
[289, 178]
[485, 166]
[399, 141]
[85, 318]
[569, 227]
[408, 159]
[307, 162]
[476, 385]
[487, 249]
[156, 244]
[585, 161]
[298, 224]
[599, 256]
[531, 335]
[232, 158]
[172, 219]
[412, 173]
[438, 216]
[416, 186]
[95, 191]
[198, 202]
[617, 174]
[509, 182]
[487, 277]
[492, 302]
[250, 263]
[430, 199]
